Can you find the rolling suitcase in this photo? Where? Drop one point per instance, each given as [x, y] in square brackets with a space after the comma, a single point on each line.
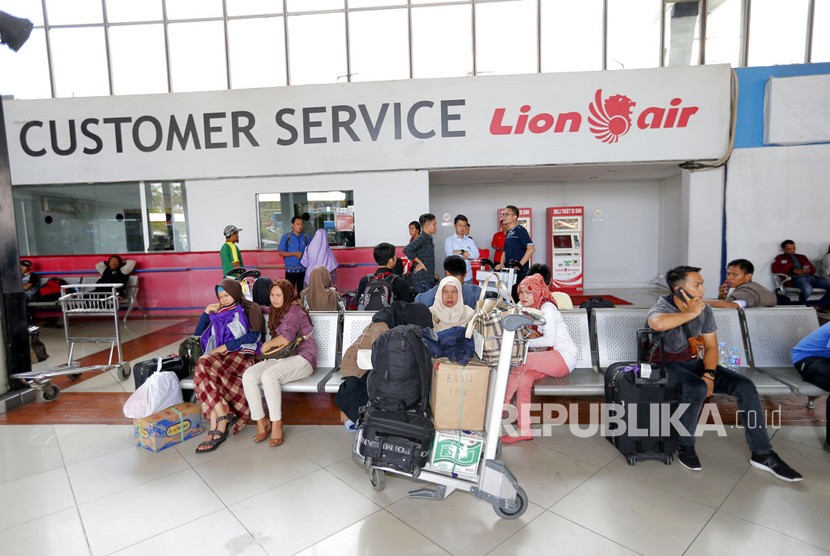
[144, 369]
[645, 399]
[397, 439]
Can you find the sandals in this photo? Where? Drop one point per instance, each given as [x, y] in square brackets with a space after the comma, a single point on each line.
[274, 442]
[262, 436]
[215, 436]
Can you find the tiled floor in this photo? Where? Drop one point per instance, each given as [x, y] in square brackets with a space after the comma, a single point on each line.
[70, 489]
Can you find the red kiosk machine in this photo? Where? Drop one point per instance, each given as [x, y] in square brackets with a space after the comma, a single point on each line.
[566, 233]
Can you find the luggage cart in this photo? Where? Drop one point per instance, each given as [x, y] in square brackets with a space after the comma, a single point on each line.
[82, 300]
[493, 483]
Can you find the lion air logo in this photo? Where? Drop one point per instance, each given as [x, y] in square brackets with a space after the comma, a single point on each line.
[610, 119]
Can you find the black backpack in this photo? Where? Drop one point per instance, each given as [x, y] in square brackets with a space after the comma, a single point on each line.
[400, 366]
[378, 293]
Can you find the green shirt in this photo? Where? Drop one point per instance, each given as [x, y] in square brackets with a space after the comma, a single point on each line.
[230, 254]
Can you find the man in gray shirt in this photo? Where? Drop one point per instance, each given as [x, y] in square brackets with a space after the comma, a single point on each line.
[739, 291]
[690, 350]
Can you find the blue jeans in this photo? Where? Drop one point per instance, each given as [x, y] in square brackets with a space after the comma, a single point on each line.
[805, 285]
[693, 392]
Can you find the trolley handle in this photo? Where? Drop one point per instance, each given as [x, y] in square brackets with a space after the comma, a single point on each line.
[514, 322]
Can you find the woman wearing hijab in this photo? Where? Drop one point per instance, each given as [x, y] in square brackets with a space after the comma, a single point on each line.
[230, 333]
[319, 295]
[287, 321]
[448, 310]
[318, 253]
[552, 352]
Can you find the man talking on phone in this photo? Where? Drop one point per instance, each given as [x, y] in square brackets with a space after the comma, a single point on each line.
[690, 351]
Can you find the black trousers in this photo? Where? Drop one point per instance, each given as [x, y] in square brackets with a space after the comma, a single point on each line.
[296, 279]
[816, 370]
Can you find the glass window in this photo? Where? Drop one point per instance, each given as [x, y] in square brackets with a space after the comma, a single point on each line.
[442, 44]
[375, 3]
[379, 45]
[30, 65]
[777, 35]
[329, 210]
[79, 61]
[682, 34]
[313, 5]
[571, 37]
[317, 48]
[633, 34]
[821, 33]
[29, 9]
[191, 9]
[130, 10]
[506, 37]
[257, 52]
[197, 56]
[61, 12]
[723, 33]
[166, 220]
[138, 70]
[253, 7]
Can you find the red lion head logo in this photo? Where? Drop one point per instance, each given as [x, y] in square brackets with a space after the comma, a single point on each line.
[610, 119]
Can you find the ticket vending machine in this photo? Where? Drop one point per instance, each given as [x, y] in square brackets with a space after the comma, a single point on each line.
[566, 234]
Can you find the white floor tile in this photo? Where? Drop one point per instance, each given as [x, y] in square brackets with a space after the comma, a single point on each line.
[380, 533]
[550, 532]
[58, 533]
[299, 514]
[216, 533]
[460, 524]
[594, 449]
[34, 497]
[82, 442]
[630, 512]
[812, 436]
[247, 472]
[729, 535]
[544, 474]
[27, 450]
[233, 444]
[139, 513]
[324, 445]
[104, 475]
[732, 447]
[357, 477]
[811, 461]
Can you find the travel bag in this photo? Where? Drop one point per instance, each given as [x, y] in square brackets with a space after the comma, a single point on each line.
[143, 369]
[644, 400]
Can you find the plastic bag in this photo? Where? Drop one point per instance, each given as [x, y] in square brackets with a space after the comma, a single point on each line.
[159, 391]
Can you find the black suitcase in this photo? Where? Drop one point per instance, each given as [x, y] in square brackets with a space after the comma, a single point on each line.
[655, 398]
[144, 369]
[397, 439]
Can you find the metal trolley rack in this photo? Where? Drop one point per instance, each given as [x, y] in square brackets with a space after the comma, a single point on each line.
[82, 300]
[494, 483]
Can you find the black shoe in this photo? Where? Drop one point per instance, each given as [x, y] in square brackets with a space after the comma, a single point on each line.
[773, 464]
[827, 446]
[688, 458]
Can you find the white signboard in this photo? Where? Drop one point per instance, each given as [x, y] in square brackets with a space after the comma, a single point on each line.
[663, 114]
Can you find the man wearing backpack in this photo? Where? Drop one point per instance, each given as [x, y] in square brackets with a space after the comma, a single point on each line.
[292, 246]
[380, 289]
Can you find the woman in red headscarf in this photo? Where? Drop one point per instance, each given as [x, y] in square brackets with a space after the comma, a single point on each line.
[552, 352]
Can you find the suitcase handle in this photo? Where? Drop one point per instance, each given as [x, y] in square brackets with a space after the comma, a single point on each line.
[649, 341]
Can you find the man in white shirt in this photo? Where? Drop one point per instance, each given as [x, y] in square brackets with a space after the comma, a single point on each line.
[462, 245]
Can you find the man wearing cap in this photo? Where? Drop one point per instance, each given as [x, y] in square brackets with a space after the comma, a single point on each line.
[292, 246]
[229, 253]
[462, 245]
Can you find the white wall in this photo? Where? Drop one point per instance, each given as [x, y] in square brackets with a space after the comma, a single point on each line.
[702, 228]
[631, 243]
[777, 193]
[385, 202]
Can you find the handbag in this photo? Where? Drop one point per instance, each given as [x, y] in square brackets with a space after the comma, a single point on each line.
[486, 330]
[288, 350]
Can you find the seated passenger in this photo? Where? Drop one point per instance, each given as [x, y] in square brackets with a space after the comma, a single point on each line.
[446, 311]
[31, 281]
[319, 295]
[552, 352]
[802, 274]
[318, 253]
[811, 358]
[825, 265]
[115, 271]
[453, 266]
[230, 332]
[287, 322]
[738, 291]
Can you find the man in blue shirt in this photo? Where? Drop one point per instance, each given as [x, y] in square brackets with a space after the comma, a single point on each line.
[462, 245]
[517, 245]
[292, 246]
[811, 357]
[453, 266]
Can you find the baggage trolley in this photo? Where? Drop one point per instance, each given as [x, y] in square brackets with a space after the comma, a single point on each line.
[493, 483]
[82, 300]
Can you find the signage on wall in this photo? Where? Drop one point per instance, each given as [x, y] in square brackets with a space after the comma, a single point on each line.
[662, 114]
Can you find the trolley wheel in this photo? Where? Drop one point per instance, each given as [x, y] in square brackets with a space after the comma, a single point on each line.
[631, 460]
[378, 479]
[521, 506]
[50, 392]
[667, 459]
[124, 371]
[74, 376]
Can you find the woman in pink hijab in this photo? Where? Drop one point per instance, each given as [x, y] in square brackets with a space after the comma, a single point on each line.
[318, 253]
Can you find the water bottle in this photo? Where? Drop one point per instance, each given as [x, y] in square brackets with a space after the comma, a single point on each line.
[734, 358]
[723, 355]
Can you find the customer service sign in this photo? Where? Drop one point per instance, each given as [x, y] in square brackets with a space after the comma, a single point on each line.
[667, 114]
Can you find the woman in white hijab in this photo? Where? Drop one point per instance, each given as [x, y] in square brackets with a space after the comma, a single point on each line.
[448, 310]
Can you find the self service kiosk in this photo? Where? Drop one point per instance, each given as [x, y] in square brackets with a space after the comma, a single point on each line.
[565, 248]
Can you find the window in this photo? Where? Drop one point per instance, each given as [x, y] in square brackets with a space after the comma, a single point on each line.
[317, 48]
[633, 34]
[682, 34]
[138, 70]
[571, 37]
[506, 38]
[166, 222]
[442, 42]
[379, 45]
[723, 33]
[261, 39]
[329, 210]
[776, 35]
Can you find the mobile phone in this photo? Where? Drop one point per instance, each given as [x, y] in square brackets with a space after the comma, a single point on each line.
[679, 293]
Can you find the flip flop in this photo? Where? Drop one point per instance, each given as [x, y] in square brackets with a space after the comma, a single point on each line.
[210, 445]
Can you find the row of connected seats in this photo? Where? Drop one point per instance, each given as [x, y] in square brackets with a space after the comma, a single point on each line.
[128, 301]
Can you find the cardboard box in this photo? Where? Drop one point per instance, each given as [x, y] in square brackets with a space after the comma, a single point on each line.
[457, 451]
[459, 394]
[169, 426]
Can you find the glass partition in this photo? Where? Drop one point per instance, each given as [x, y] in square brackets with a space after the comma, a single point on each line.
[332, 211]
